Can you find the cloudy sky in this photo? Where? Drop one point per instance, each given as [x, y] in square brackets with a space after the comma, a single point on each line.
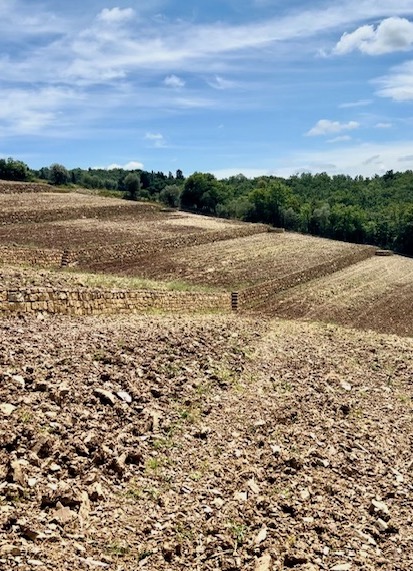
[221, 86]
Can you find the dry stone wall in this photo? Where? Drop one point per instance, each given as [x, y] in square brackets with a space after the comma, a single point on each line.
[258, 294]
[93, 302]
[46, 258]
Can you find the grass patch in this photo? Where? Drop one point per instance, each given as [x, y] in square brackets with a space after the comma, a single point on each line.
[109, 281]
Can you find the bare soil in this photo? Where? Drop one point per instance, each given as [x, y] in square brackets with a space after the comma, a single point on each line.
[242, 261]
[138, 222]
[203, 443]
[374, 294]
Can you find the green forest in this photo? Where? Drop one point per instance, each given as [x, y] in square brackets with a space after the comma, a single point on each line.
[376, 210]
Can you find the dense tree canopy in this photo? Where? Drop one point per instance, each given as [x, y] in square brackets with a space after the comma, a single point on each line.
[58, 174]
[202, 192]
[11, 169]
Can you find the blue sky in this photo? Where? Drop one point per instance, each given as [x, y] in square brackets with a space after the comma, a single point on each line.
[222, 86]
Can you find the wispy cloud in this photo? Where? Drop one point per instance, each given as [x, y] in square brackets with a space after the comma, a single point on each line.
[116, 15]
[327, 127]
[406, 159]
[30, 111]
[340, 139]
[174, 81]
[398, 84]
[383, 125]
[375, 159]
[112, 48]
[157, 139]
[364, 159]
[218, 82]
[359, 103]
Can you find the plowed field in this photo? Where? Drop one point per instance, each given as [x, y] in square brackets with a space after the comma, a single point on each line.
[11, 203]
[242, 261]
[128, 222]
[374, 294]
[206, 444]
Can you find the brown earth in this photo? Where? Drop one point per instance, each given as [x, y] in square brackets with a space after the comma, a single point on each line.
[91, 229]
[236, 443]
[374, 294]
[216, 442]
[240, 262]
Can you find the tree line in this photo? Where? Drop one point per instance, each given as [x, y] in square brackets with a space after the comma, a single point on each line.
[374, 210]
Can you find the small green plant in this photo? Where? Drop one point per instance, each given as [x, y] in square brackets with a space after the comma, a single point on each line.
[153, 493]
[143, 554]
[404, 398]
[190, 414]
[163, 443]
[134, 493]
[26, 416]
[238, 532]
[183, 533]
[291, 540]
[118, 549]
[99, 355]
[152, 465]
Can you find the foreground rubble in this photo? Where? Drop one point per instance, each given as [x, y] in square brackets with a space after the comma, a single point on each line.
[203, 443]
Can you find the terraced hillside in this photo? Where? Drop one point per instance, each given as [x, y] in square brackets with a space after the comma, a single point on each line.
[42, 207]
[240, 262]
[110, 235]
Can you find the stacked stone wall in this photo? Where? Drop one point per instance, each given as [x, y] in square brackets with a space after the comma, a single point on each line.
[95, 302]
[46, 258]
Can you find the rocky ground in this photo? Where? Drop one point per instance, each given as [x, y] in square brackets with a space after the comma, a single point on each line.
[203, 443]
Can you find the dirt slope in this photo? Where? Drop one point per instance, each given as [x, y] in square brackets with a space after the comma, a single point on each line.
[205, 443]
[374, 294]
[240, 262]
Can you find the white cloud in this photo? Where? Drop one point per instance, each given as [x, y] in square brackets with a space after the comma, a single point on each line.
[247, 172]
[391, 35]
[174, 81]
[340, 139]
[116, 15]
[19, 20]
[219, 82]
[365, 159]
[31, 111]
[360, 103]
[327, 127]
[383, 125]
[157, 139]
[398, 84]
[105, 52]
[130, 166]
